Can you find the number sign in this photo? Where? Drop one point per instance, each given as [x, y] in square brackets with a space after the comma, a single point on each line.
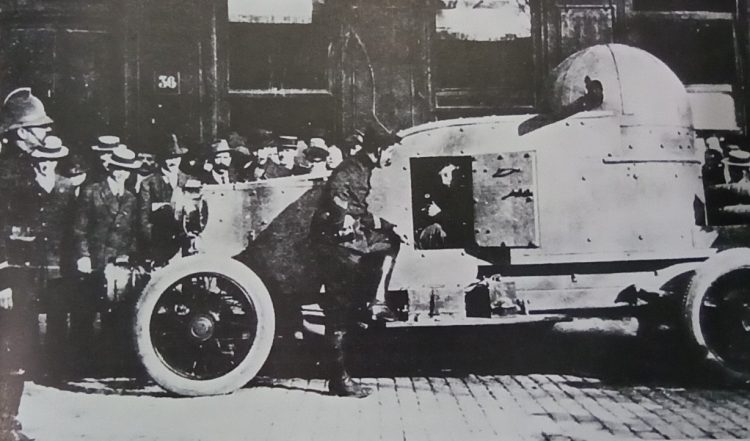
[167, 82]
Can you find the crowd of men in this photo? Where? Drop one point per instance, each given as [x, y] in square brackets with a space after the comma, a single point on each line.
[64, 220]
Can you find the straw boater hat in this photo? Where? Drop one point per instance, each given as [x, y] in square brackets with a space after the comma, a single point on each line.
[287, 142]
[106, 144]
[124, 158]
[738, 158]
[53, 148]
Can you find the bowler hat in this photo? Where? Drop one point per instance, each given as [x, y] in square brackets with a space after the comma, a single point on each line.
[106, 143]
[53, 148]
[124, 158]
[173, 148]
[22, 109]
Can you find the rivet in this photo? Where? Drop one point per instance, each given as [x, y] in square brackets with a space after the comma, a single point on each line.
[640, 237]
[583, 178]
[403, 168]
[487, 232]
[476, 231]
[588, 239]
[582, 123]
[661, 146]
[567, 124]
[630, 147]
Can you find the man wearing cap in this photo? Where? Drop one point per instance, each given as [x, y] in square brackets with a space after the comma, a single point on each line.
[266, 153]
[23, 126]
[39, 217]
[287, 165]
[352, 244]
[156, 202]
[220, 164]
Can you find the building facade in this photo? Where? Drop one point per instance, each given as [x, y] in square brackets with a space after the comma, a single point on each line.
[201, 68]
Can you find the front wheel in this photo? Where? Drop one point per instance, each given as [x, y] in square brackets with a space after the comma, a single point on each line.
[717, 315]
[204, 326]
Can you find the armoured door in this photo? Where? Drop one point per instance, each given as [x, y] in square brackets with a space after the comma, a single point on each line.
[505, 202]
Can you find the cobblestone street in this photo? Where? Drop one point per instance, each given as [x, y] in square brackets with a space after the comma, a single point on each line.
[585, 382]
[472, 407]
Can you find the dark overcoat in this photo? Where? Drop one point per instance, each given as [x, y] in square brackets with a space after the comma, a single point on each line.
[105, 225]
[158, 226]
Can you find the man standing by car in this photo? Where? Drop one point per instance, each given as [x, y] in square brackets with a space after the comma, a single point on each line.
[156, 204]
[23, 126]
[105, 233]
[352, 244]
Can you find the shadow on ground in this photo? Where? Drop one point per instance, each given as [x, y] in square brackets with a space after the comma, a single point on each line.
[615, 355]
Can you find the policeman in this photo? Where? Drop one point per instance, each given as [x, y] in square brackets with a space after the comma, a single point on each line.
[156, 203]
[352, 244]
[23, 126]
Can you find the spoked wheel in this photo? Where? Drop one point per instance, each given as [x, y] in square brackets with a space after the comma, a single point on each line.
[718, 318]
[204, 326]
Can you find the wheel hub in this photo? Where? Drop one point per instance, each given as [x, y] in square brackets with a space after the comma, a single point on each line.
[745, 317]
[202, 327]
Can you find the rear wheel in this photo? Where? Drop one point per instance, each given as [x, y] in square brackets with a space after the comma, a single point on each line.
[204, 326]
[717, 315]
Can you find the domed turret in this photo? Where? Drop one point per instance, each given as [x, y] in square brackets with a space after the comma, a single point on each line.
[637, 86]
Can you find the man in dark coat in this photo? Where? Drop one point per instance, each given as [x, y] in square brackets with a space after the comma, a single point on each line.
[24, 124]
[107, 217]
[39, 218]
[105, 232]
[156, 204]
[352, 244]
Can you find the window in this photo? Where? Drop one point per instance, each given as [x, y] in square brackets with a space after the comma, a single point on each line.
[277, 62]
[277, 56]
[482, 58]
[684, 5]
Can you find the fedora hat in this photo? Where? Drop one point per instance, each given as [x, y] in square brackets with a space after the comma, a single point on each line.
[22, 109]
[738, 158]
[173, 148]
[220, 146]
[106, 143]
[53, 148]
[124, 158]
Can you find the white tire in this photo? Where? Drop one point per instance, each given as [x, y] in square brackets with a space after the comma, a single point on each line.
[213, 309]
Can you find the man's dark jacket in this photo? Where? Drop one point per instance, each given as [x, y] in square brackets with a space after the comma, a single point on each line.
[106, 225]
[346, 194]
